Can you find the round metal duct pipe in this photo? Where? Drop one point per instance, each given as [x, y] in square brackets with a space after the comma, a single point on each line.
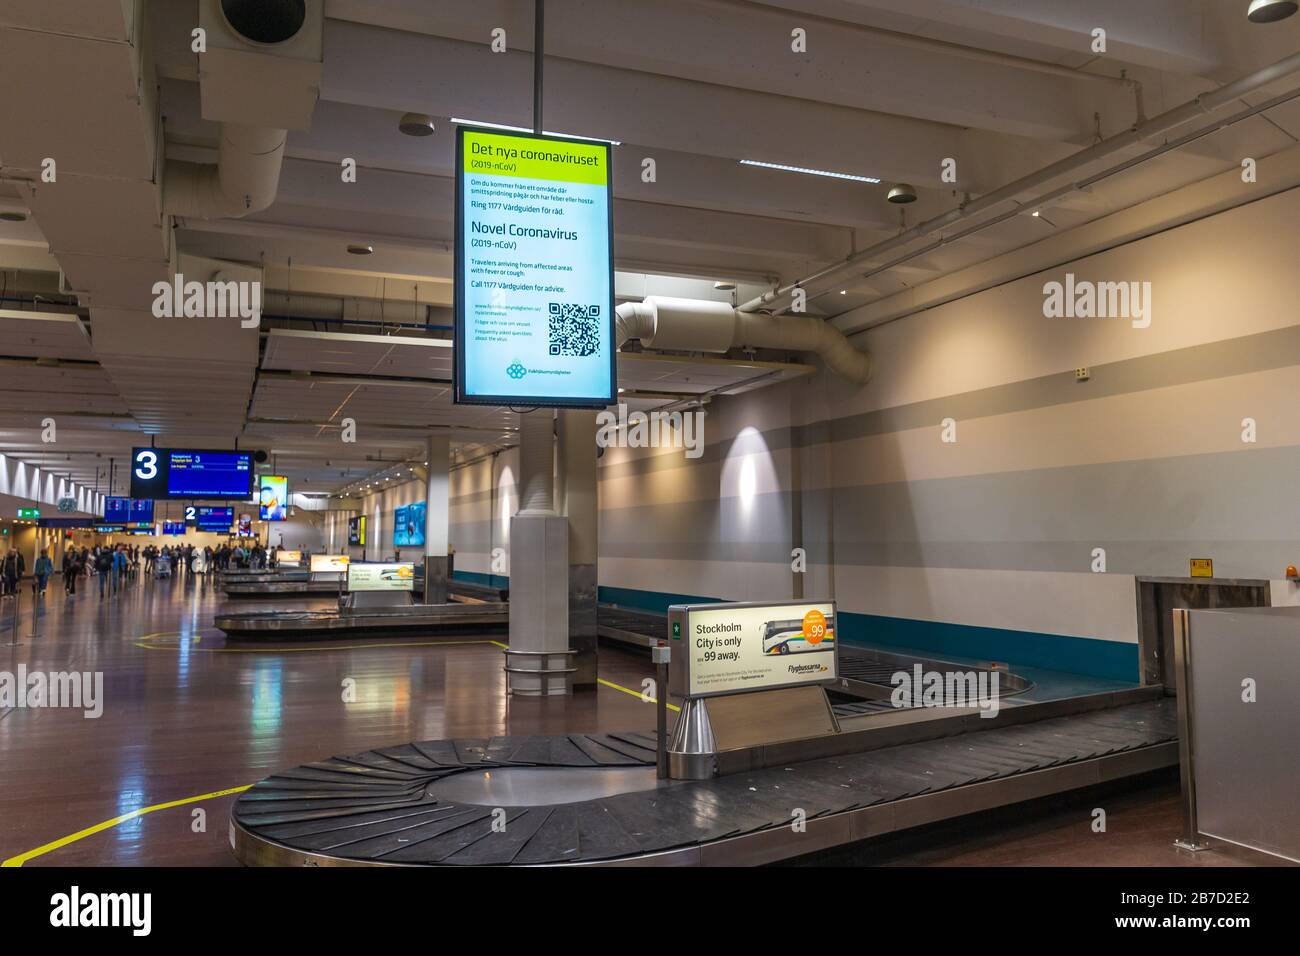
[265, 21]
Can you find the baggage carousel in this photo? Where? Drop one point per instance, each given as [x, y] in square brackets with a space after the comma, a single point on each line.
[594, 798]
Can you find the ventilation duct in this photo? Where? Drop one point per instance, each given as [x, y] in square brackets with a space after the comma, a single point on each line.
[259, 77]
[698, 325]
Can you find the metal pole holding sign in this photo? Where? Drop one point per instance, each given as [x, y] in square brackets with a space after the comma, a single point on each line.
[18, 605]
[660, 654]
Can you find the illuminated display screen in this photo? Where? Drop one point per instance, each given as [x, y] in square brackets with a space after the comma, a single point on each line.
[162, 473]
[211, 519]
[534, 294]
[408, 525]
[357, 530]
[274, 497]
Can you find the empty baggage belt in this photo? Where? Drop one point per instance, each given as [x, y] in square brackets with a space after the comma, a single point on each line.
[400, 806]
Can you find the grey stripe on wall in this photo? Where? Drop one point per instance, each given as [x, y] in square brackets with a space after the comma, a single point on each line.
[1263, 351]
[1239, 508]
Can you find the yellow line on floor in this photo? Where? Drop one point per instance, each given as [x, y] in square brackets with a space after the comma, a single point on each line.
[636, 694]
[22, 858]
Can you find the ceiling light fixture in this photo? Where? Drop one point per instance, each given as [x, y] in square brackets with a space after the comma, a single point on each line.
[809, 172]
[415, 124]
[901, 193]
[361, 250]
[528, 129]
[1270, 11]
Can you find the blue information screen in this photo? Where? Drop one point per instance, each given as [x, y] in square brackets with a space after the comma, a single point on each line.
[117, 510]
[210, 474]
[534, 294]
[214, 519]
[141, 510]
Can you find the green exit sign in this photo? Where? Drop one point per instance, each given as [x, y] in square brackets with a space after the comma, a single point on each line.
[29, 512]
[677, 630]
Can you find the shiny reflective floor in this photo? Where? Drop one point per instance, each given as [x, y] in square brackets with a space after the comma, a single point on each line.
[185, 714]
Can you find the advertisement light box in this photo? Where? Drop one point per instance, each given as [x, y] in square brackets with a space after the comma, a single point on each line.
[534, 296]
[408, 525]
[273, 494]
[325, 563]
[381, 577]
[730, 648]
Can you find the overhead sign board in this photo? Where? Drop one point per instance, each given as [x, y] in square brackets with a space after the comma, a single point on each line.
[381, 577]
[534, 290]
[29, 513]
[732, 648]
[171, 473]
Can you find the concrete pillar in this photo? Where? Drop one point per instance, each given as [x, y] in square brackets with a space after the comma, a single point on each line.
[539, 568]
[576, 496]
[437, 511]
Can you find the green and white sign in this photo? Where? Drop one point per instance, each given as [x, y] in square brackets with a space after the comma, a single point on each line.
[29, 513]
[381, 577]
[534, 291]
[731, 648]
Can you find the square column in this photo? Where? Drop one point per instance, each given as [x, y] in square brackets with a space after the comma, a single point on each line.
[437, 511]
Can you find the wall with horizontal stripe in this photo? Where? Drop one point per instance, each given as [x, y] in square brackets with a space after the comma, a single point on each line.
[987, 544]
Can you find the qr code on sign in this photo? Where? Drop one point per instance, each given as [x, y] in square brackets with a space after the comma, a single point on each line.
[575, 329]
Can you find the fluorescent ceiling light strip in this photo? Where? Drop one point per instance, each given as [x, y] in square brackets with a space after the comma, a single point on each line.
[527, 129]
[810, 172]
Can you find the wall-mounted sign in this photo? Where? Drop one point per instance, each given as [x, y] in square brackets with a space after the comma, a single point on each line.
[1202, 567]
[336, 563]
[357, 530]
[29, 513]
[273, 492]
[534, 289]
[381, 577]
[731, 648]
[408, 525]
[164, 473]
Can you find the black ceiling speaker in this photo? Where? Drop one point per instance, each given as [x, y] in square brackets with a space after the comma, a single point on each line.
[260, 457]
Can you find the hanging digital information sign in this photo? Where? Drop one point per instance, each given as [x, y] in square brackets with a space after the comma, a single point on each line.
[534, 270]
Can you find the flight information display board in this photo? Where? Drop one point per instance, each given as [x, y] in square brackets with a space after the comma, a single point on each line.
[534, 289]
[127, 510]
[206, 518]
[173, 527]
[171, 473]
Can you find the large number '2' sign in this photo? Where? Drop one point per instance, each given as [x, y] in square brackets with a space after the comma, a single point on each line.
[146, 465]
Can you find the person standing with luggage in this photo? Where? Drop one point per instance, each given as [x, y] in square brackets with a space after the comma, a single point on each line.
[14, 568]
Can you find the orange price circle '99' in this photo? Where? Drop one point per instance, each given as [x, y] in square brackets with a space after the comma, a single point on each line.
[814, 626]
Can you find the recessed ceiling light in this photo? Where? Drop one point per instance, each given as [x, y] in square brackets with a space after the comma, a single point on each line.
[1270, 11]
[361, 250]
[528, 129]
[809, 172]
[844, 291]
[1034, 214]
[415, 124]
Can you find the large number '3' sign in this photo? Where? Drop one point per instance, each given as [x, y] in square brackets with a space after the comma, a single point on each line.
[146, 465]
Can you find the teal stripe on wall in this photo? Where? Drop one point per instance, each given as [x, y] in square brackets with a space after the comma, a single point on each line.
[1114, 660]
[657, 601]
[478, 577]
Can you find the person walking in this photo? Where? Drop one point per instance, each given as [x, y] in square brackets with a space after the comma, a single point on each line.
[120, 564]
[15, 566]
[71, 571]
[103, 568]
[43, 569]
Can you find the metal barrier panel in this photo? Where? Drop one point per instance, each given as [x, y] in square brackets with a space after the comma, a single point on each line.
[1245, 766]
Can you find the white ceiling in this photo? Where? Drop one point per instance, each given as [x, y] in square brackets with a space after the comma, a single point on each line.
[887, 88]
